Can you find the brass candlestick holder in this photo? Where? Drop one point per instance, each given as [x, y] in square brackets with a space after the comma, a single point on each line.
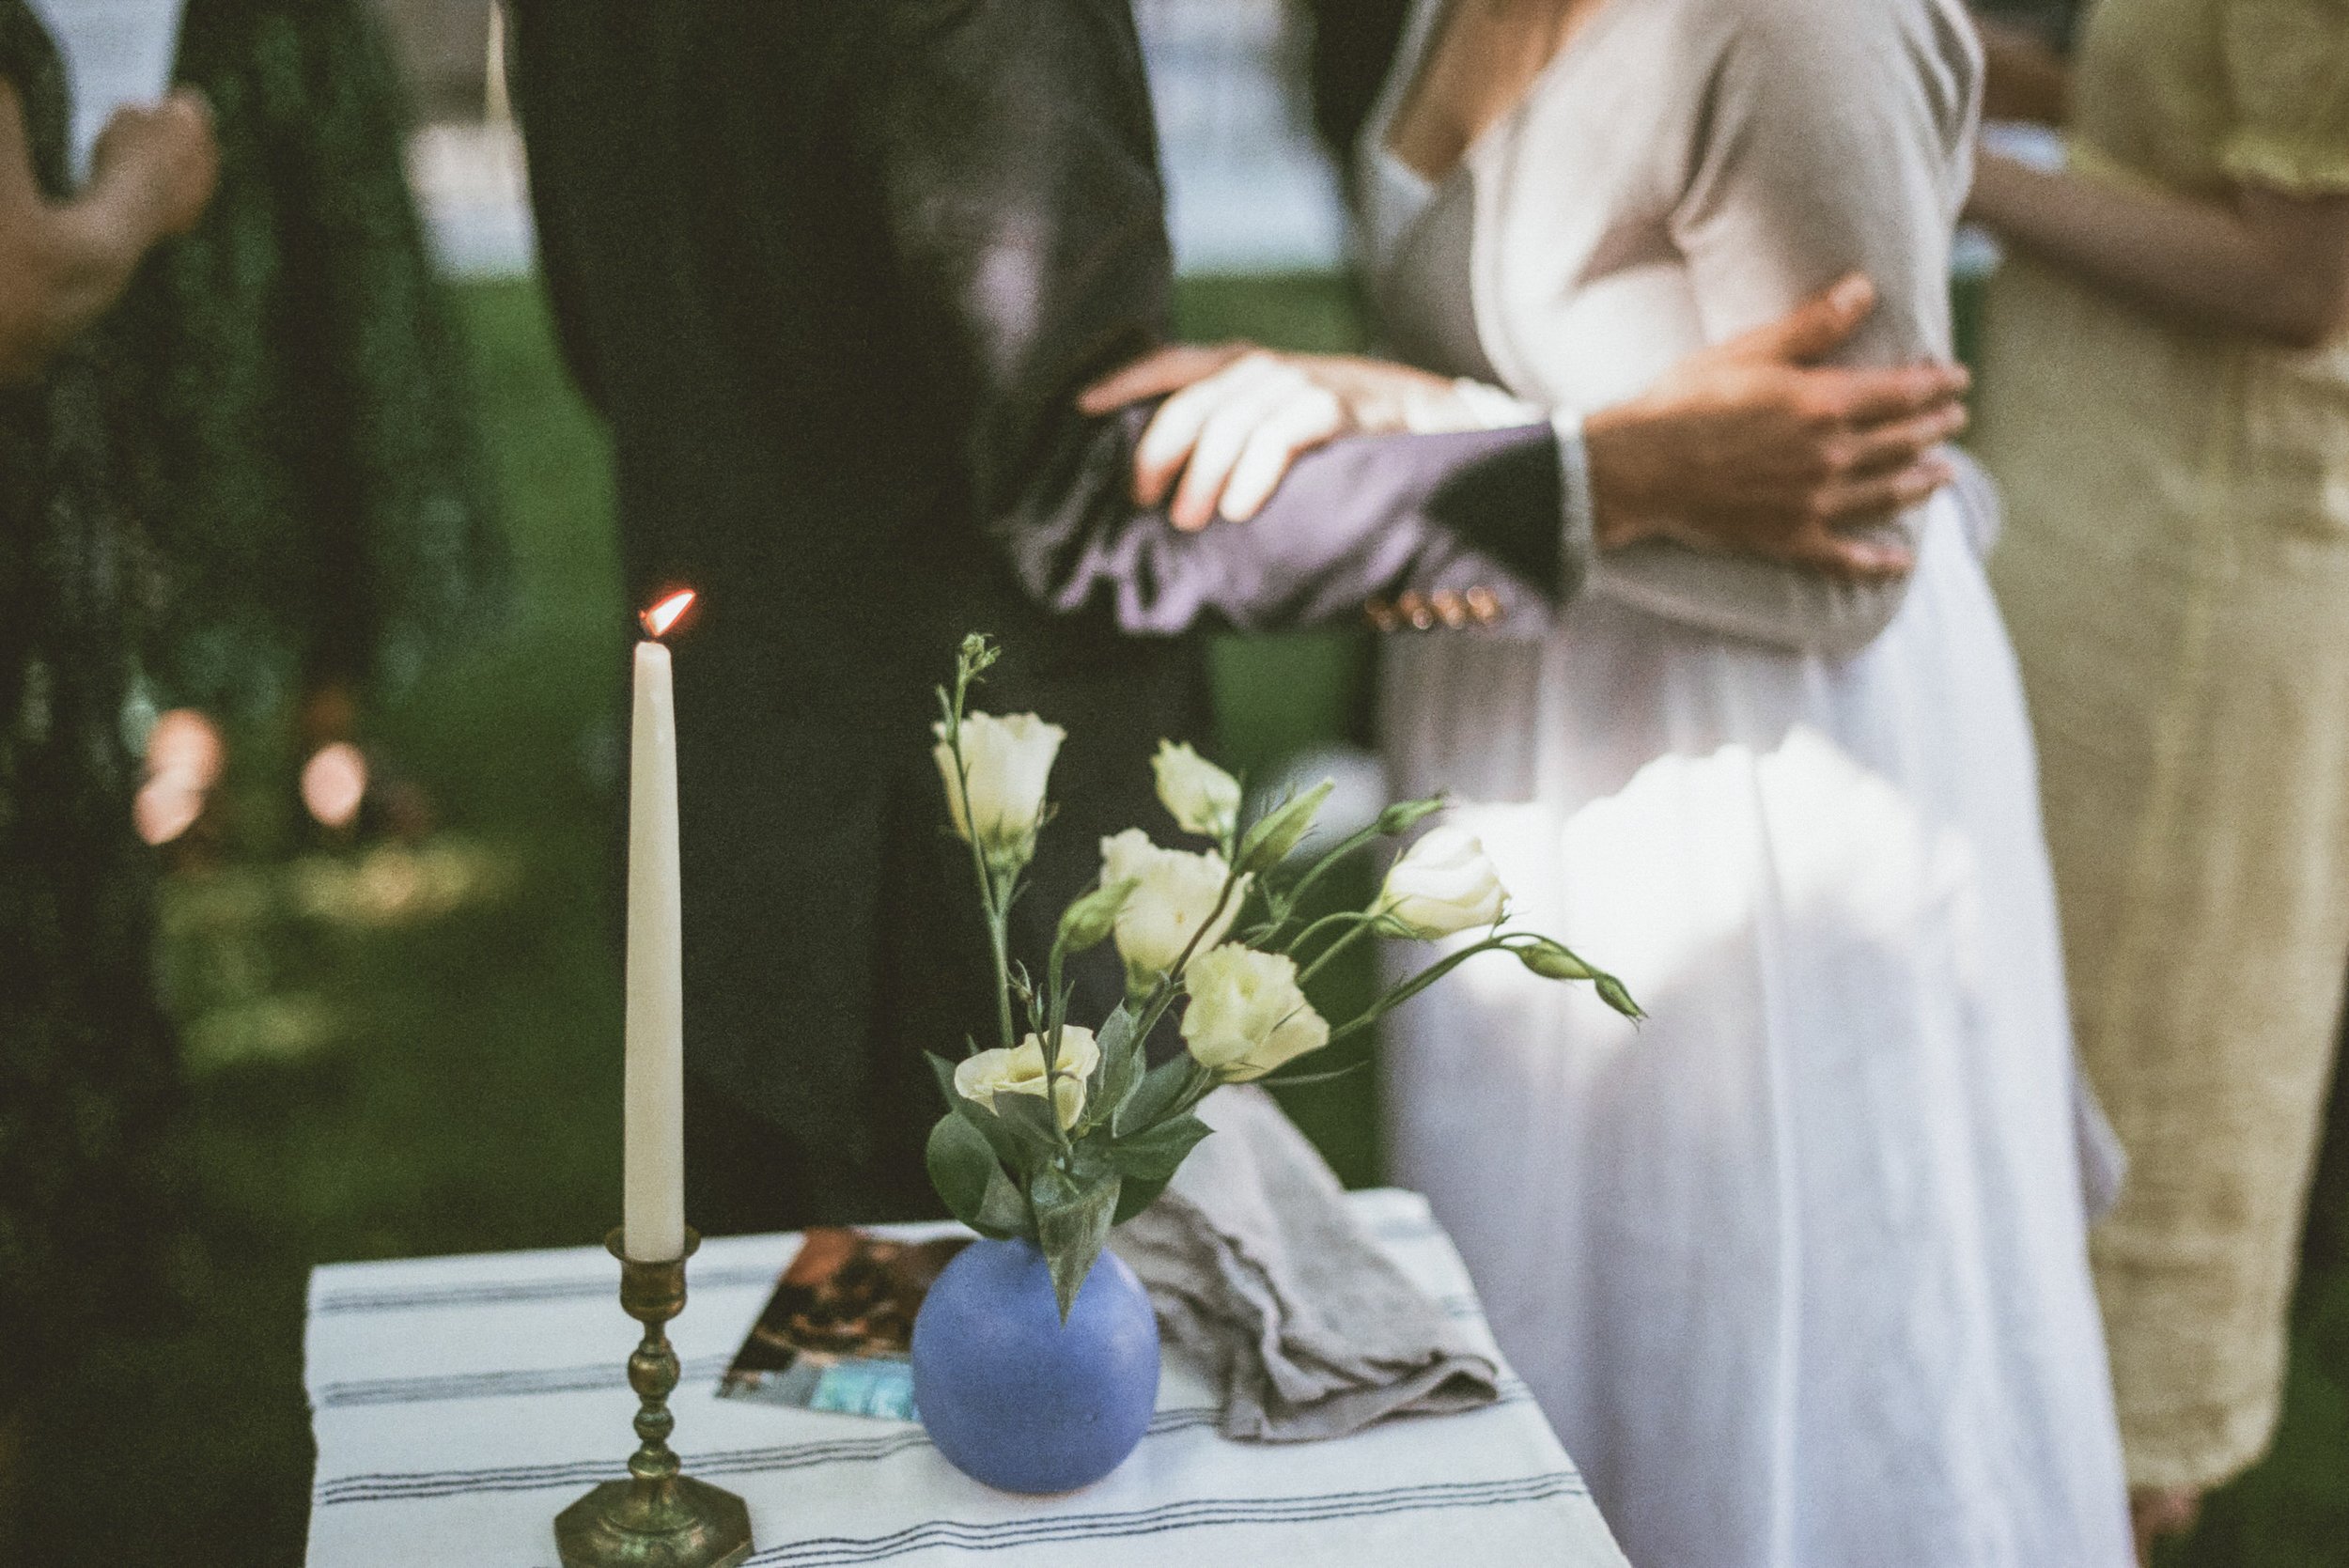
[660, 1518]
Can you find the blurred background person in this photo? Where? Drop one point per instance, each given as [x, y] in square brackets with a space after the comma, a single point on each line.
[2166, 400]
[91, 1200]
[312, 476]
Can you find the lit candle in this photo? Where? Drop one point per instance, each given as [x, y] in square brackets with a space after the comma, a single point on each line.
[652, 1212]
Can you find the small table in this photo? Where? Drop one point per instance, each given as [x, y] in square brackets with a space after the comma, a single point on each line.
[459, 1402]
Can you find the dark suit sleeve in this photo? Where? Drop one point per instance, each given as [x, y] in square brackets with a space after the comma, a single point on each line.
[1013, 147]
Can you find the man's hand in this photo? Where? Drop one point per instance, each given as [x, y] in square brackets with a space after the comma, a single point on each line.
[1745, 446]
[159, 160]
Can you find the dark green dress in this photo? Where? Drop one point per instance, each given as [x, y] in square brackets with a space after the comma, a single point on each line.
[312, 478]
[260, 468]
[88, 1078]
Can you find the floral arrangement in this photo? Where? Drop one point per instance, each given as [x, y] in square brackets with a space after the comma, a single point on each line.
[1065, 1130]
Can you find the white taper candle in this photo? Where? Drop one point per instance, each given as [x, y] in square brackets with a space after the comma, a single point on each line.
[653, 1206]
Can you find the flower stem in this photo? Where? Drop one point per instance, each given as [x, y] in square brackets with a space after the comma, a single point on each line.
[997, 908]
[1056, 1020]
[1359, 839]
[1417, 984]
[1161, 996]
[999, 937]
[1367, 923]
[1338, 917]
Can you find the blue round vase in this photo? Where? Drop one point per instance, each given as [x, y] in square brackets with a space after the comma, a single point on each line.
[1018, 1398]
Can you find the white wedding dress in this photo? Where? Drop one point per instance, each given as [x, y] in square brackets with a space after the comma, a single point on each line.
[1798, 1269]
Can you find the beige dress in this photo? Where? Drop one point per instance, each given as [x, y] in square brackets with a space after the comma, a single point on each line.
[2175, 575]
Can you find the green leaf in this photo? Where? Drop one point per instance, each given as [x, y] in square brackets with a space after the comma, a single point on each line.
[1133, 1196]
[1153, 1156]
[943, 1071]
[1278, 832]
[1116, 1032]
[1007, 1147]
[1158, 1093]
[1071, 1232]
[1030, 1121]
[1121, 1067]
[1003, 1214]
[961, 1166]
[1089, 1158]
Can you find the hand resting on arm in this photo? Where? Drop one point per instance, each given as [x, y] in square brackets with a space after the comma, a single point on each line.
[1012, 153]
[1745, 446]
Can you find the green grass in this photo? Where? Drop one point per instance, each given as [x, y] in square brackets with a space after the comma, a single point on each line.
[396, 1053]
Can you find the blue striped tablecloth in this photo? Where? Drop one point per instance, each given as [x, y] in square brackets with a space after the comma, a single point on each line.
[460, 1402]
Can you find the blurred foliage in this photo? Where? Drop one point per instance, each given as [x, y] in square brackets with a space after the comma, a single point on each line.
[415, 1049]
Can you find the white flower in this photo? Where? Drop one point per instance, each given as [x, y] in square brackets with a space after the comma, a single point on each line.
[1009, 762]
[1174, 893]
[1020, 1071]
[1201, 796]
[1445, 883]
[1247, 1015]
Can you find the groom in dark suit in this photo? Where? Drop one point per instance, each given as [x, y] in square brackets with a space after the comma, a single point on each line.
[835, 272]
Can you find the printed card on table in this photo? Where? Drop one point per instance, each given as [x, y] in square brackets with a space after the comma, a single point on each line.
[837, 1332]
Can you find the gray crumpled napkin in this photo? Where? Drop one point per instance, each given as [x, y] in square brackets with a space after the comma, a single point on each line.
[1257, 1268]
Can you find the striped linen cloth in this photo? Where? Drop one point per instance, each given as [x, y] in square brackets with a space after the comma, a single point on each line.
[460, 1402]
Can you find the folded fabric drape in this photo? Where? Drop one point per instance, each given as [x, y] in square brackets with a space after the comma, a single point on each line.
[1257, 1267]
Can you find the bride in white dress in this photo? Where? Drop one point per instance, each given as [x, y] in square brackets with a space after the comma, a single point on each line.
[1797, 1269]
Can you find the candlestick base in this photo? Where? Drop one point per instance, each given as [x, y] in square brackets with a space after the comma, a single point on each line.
[659, 1518]
[692, 1524]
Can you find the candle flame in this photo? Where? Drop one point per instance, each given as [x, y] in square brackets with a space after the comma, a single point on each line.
[665, 614]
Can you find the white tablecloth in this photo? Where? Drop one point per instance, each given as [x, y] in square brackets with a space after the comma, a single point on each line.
[460, 1402]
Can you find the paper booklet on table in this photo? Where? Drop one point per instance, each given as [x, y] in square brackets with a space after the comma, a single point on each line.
[836, 1333]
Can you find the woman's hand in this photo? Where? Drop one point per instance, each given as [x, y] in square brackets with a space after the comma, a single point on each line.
[63, 264]
[160, 160]
[1238, 415]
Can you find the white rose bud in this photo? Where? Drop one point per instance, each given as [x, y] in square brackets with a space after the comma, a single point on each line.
[1174, 893]
[1020, 1071]
[1087, 922]
[1201, 796]
[1445, 883]
[1247, 1015]
[1009, 763]
[1283, 827]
